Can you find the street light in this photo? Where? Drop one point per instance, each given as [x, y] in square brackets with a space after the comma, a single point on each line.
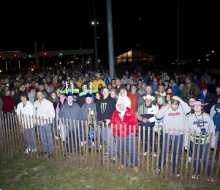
[93, 23]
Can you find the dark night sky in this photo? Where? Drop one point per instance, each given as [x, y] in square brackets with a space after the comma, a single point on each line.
[52, 24]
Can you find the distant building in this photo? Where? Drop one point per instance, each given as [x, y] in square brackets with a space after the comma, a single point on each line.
[134, 56]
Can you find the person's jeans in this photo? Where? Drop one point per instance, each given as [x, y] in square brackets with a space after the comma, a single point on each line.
[130, 148]
[29, 138]
[150, 140]
[108, 141]
[175, 153]
[72, 139]
[46, 137]
[200, 157]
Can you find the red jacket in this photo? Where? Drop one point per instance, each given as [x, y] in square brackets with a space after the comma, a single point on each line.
[123, 126]
[202, 85]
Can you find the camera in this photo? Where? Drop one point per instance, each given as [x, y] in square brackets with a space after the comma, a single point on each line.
[192, 92]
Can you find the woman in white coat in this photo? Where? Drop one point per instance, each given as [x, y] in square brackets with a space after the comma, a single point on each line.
[25, 112]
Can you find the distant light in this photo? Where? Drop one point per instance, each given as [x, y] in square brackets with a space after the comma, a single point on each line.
[93, 23]
[139, 18]
[29, 56]
[207, 59]
[60, 54]
[213, 51]
[0, 71]
[60, 63]
[199, 59]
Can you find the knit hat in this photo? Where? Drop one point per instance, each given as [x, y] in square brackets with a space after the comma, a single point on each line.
[88, 95]
[69, 94]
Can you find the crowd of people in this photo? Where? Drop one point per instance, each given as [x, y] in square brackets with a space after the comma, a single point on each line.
[167, 105]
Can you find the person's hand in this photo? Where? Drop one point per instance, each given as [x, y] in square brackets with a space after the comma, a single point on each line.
[177, 98]
[156, 92]
[167, 106]
[108, 121]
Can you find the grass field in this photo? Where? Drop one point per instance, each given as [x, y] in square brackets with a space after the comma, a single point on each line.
[24, 172]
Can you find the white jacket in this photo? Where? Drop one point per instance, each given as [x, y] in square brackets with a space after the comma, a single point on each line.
[126, 99]
[44, 111]
[25, 114]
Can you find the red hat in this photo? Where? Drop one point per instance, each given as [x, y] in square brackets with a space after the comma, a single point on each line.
[31, 88]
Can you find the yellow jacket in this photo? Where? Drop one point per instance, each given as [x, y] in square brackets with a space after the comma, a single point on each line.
[79, 83]
[96, 83]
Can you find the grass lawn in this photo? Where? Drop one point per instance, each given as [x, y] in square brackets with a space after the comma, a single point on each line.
[23, 172]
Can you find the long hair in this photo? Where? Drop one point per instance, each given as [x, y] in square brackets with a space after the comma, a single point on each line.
[51, 99]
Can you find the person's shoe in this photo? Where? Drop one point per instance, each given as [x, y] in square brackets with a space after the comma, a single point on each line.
[67, 154]
[34, 150]
[189, 159]
[26, 151]
[136, 169]
[195, 177]
[42, 152]
[29, 149]
[50, 155]
[145, 154]
[210, 179]
[121, 167]
[113, 160]
[89, 149]
[57, 138]
[155, 155]
[106, 154]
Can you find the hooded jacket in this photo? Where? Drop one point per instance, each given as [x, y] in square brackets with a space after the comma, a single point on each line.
[216, 120]
[207, 100]
[124, 122]
[125, 98]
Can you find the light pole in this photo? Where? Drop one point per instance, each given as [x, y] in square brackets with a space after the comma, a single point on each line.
[95, 42]
[79, 40]
[110, 39]
[95, 35]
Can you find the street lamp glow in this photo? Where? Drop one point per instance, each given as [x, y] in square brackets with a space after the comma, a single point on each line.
[213, 51]
[93, 23]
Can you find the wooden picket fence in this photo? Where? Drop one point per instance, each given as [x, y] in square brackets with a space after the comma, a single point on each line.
[92, 150]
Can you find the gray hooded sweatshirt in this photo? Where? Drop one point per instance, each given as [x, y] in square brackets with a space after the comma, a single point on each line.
[200, 123]
[174, 119]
